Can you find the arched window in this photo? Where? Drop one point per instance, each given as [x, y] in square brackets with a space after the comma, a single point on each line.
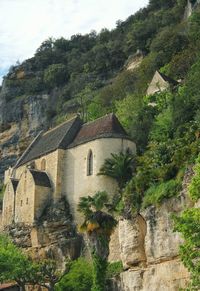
[43, 165]
[90, 163]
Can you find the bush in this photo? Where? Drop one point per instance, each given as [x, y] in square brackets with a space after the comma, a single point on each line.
[79, 277]
[114, 269]
[188, 224]
[194, 187]
[55, 75]
[157, 193]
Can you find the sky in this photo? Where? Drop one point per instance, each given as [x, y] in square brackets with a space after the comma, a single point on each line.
[25, 24]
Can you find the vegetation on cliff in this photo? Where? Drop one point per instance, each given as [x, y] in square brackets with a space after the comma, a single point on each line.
[98, 225]
[88, 74]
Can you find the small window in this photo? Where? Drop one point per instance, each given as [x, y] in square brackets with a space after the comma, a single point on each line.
[90, 163]
[26, 200]
[43, 165]
[21, 202]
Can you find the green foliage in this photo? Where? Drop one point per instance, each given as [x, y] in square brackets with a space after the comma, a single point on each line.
[96, 219]
[169, 42]
[157, 193]
[55, 75]
[194, 187]
[194, 28]
[136, 117]
[114, 269]
[79, 277]
[162, 128]
[14, 265]
[17, 266]
[188, 224]
[98, 225]
[100, 267]
[119, 167]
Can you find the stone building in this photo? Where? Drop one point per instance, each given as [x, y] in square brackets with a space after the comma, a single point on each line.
[63, 161]
[159, 83]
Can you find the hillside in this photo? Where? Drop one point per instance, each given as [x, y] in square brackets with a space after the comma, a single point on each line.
[95, 74]
[87, 73]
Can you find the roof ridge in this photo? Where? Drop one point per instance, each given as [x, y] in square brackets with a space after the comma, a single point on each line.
[166, 78]
[57, 126]
[101, 117]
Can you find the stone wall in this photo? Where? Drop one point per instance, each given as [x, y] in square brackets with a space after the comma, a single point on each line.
[8, 204]
[76, 181]
[30, 200]
[53, 168]
[54, 162]
[25, 199]
[157, 84]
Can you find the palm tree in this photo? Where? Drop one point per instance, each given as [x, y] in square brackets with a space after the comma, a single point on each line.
[118, 167]
[98, 225]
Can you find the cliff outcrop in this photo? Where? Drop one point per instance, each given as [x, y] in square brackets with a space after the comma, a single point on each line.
[53, 237]
[20, 120]
[149, 248]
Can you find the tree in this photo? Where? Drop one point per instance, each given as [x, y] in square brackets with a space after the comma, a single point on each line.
[17, 266]
[98, 225]
[118, 167]
[14, 265]
[55, 75]
[188, 224]
[48, 274]
[79, 277]
[194, 187]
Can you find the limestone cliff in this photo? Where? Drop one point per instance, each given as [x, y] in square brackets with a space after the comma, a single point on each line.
[149, 248]
[21, 119]
[53, 237]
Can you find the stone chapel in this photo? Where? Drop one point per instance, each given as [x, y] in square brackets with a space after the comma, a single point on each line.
[63, 161]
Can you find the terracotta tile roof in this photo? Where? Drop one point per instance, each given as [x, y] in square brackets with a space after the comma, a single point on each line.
[41, 178]
[57, 138]
[106, 126]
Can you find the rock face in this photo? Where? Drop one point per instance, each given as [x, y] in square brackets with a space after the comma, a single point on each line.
[21, 119]
[149, 249]
[53, 237]
[131, 239]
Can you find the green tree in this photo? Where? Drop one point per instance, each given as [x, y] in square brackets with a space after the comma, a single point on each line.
[16, 266]
[48, 274]
[119, 167]
[98, 225]
[194, 187]
[188, 224]
[55, 75]
[79, 277]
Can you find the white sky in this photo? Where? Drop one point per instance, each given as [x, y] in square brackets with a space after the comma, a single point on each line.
[25, 24]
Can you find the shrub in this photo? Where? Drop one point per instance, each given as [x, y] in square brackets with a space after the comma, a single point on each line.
[157, 193]
[194, 187]
[188, 224]
[114, 269]
[79, 277]
[55, 75]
